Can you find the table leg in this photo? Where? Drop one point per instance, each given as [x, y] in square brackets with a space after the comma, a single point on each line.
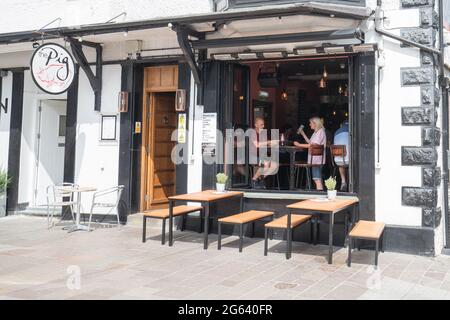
[347, 218]
[206, 228]
[241, 204]
[78, 209]
[315, 229]
[330, 239]
[170, 223]
[78, 226]
[291, 171]
[288, 236]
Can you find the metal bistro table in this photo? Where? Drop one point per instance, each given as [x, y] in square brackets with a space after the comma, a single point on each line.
[318, 207]
[205, 198]
[292, 150]
[79, 190]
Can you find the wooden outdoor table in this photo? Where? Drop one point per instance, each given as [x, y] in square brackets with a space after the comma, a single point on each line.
[205, 198]
[329, 208]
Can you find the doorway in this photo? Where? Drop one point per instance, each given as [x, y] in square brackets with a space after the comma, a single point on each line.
[158, 179]
[50, 145]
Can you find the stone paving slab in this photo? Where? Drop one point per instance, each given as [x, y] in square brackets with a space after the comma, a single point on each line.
[113, 263]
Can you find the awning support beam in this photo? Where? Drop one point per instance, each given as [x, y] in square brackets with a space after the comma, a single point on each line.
[184, 43]
[94, 80]
[278, 38]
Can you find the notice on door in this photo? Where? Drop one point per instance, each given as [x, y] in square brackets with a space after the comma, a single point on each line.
[209, 136]
[182, 128]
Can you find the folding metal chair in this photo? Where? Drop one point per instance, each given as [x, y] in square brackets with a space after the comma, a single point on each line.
[99, 195]
[60, 196]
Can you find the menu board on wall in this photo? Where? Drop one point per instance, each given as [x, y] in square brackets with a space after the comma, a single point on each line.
[209, 136]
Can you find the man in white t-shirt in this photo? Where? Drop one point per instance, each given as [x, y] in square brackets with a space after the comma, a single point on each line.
[341, 138]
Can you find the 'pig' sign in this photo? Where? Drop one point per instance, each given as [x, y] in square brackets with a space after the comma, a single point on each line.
[52, 68]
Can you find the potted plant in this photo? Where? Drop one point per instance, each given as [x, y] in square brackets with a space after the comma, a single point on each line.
[330, 183]
[4, 181]
[221, 181]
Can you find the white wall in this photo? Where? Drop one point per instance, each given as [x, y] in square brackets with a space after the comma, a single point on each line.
[391, 176]
[34, 14]
[97, 162]
[5, 120]
[195, 165]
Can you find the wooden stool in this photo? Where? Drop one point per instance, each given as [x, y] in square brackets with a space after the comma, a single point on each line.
[241, 219]
[163, 214]
[366, 230]
[281, 223]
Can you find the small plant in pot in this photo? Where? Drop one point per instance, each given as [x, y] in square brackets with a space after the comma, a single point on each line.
[330, 183]
[222, 179]
[4, 182]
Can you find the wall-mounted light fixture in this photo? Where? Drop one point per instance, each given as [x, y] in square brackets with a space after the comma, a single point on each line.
[180, 100]
[123, 101]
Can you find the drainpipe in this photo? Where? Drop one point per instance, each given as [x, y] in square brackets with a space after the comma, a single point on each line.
[379, 17]
[443, 82]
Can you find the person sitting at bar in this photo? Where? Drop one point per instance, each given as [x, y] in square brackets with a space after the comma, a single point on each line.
[341, 138]
[318, 138]
[264, 166]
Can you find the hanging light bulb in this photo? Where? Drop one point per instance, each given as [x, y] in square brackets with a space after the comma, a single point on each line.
[340, 90]
[284, 95]
[322, 83]
[325, 73]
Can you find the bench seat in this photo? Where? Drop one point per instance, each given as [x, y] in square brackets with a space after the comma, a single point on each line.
[246, 217]
[370, 230]
[177, 211]
[281, 223]
[163, 214]
[366, 230]
[241, 219]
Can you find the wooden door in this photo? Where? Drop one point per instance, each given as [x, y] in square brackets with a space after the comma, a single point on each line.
[157, 169]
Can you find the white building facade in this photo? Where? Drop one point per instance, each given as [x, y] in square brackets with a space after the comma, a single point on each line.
[155, 50]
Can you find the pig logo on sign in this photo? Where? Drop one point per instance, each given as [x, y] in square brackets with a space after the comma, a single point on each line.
[52, 68]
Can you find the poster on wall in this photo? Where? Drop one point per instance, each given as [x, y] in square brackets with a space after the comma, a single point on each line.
[108, 128]
[52, 68]
[181, 128]
[209, 137]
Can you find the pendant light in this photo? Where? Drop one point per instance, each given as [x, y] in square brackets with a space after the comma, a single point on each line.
[284, 95]
[322, 83]
[325, 73]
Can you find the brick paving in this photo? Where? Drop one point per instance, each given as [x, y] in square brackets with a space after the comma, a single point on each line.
[36, 263]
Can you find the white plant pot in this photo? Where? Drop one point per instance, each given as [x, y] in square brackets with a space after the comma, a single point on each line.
[220, 187]
[331, 194]
[2, 205]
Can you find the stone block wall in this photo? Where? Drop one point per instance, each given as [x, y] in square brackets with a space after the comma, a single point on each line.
[425, 116]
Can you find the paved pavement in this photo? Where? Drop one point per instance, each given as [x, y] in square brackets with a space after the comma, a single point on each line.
[110, 263]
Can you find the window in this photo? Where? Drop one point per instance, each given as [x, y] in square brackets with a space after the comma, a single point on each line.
[62, 126]
[232, 4]
[303, 108]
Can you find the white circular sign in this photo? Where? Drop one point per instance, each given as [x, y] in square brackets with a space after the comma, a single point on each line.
[52, 68]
